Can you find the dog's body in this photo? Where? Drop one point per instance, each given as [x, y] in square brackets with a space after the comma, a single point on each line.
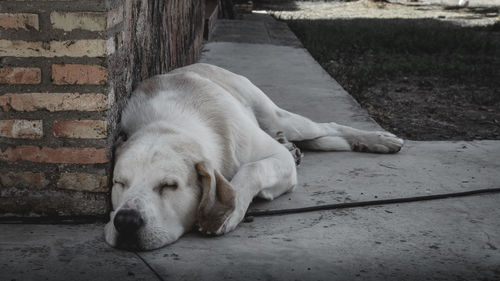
[200, 148]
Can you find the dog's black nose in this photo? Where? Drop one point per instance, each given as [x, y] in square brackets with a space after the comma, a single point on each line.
[127, 221]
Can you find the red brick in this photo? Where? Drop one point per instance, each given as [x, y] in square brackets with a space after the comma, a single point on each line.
[20, 75]
[67, 155]
[19, 21]
[81, 129]
[23, 129]
[53, 102]
[63, 74]
[23, 179]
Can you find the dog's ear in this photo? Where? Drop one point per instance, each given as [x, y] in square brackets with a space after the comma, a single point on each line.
[217, 199]
[120, 140]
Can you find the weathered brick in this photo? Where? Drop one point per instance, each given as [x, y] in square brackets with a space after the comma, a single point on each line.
[23, 179]
[20, 75]
[19, 21]
[53, 102]
[24, 129]
[67, 21]
[115, 16]
[69, 48]
[66, 155]
[110, 46]
[81, 129]
[79, 74]
[83, 182]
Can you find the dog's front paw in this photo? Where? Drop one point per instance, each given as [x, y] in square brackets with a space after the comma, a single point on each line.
[231, 222]
[294, 150]
[221, 227]
[377, 142]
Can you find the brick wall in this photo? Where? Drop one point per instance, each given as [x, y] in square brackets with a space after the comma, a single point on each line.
[66, 69]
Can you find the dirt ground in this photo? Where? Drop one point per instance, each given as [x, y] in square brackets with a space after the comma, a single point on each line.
[429, 108]
[433, 73]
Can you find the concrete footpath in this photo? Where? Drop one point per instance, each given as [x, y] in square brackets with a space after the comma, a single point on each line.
[449, 239]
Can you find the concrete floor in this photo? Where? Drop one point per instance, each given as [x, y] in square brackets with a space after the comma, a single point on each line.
[451, 239]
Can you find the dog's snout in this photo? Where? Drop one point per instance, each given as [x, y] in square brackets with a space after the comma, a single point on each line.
[128, 221]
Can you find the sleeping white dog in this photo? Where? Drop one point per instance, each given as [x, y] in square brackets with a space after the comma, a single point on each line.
[201, 146]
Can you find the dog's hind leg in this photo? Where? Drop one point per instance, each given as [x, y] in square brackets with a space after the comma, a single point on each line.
[324, 136]
[301, 130]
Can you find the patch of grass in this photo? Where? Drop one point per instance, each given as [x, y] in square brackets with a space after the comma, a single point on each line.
[395, 36]
[458, 66]
[409, 46]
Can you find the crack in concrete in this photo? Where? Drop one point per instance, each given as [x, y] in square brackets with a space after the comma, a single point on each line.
[149, 266]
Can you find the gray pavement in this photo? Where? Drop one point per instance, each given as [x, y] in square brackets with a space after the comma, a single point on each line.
[450, 239]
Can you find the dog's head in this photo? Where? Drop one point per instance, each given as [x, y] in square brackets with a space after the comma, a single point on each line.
[162, 185]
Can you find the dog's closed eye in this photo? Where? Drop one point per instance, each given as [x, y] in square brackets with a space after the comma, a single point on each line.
[168, 185]
[118, 182]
